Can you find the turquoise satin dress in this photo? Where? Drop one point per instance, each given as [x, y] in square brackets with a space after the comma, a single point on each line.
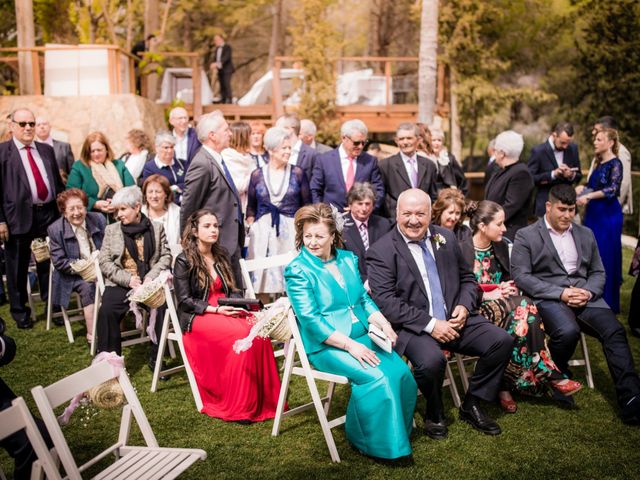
[383, 398]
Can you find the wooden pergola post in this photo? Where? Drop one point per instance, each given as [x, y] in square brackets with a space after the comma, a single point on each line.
[29, 70]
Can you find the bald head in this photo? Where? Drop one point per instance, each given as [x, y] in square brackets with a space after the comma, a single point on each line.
[43, 128]
[413, 213]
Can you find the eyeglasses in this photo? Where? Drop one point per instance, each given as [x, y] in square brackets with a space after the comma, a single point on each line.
[24, 124]
[357, 144]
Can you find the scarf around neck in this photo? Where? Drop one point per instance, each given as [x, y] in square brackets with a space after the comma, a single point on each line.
[132, 231]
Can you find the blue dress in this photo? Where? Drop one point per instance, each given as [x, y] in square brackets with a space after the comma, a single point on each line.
[380, 410]
[604, 217]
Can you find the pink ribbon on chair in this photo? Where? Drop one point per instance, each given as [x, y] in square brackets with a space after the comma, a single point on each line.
[164, 276]
[117, 365]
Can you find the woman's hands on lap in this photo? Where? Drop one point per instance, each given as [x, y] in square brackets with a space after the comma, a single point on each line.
[363, 354]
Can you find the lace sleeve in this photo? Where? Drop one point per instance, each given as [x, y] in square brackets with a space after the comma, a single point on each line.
[252, 198]
[612, 185]
[305, 190]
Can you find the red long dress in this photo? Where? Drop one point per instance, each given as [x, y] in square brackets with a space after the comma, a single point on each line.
[233, 386]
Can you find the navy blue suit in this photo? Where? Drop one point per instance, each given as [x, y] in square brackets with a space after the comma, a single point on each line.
[25, 220]
[376, 227]
[193, 145]
[306, 159]
[328, 183]
[542, 162]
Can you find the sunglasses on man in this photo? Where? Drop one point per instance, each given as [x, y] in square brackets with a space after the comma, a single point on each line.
[24, 124]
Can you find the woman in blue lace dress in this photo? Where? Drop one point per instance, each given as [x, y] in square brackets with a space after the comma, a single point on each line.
[603, 211]
[276, 191]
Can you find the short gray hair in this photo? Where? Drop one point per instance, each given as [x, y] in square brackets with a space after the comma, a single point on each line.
[511, 143]
[289, 120]
[274, 137]
[350, 127]
[307, 127]
[210, 122]
[128, 196]
[361, 191]
[175, 110]
[164, 136]
[436, 132]
[409, 127]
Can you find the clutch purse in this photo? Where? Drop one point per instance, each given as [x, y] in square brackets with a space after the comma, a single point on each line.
[488, 287]
[379, 338]
[248, 304]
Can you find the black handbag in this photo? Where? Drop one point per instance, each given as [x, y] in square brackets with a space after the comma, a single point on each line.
[248, 304]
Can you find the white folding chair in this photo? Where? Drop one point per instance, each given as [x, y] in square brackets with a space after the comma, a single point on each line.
[248, 266]
[132, 462]
[71, 315]
[14, 419]
[321, 404]
[584, 361]
[171, 332]
[129, 337]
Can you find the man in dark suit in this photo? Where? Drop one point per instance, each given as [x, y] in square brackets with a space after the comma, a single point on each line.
[208, 184]
[62, 150]
[554, 162]
[29, 182]
[407, 169]
[363, 228]
[223, 64]
[511, 186]
[302, 154]
[335, 172]
[187, 143]
[492, 167]
[425, 288]
[556, 262]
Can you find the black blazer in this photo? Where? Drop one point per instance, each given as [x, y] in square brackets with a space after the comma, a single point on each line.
[511, 188]
[452, 175]
[15, 198]
[64, 155]
[396, 180]
[376, 227]
[397, 287]
[225, 59]
[500, 250]
[191, 297]
[542, 162]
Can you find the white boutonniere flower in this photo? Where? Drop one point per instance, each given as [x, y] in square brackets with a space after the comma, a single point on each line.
[439, 240]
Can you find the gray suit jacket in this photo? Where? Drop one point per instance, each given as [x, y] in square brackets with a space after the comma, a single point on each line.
[113, 249]
[205, 186]
[64, 155]
[537, 269]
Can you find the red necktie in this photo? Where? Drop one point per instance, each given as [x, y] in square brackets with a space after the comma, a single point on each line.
[41, 187]
[351, 174]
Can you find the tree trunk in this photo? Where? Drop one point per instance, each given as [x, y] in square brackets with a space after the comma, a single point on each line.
[26, 38]
[276, 28]
[129, 40]
[456, 139]
[151, 25]
[427, 67]
[107, 18]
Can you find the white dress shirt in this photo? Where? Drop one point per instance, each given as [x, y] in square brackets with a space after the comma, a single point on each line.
[27, 167]
[295, 151]
[565, 245]
[416, 253]
[181, 146]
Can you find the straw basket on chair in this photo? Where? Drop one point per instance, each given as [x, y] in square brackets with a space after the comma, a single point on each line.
[40, 249]
[277, 327]
[85, 268]
[107, 395]
[151, 294]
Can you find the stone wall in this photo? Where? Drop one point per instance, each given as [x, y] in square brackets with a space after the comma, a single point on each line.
[72, 118]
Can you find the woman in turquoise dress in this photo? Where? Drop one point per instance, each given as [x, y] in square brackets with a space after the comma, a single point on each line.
[603, 213]
[333, 312]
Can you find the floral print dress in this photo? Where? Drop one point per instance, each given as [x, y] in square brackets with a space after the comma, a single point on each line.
[531, 367]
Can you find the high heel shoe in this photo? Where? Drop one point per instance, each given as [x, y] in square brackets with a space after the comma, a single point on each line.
[507, 403]
[569, 387]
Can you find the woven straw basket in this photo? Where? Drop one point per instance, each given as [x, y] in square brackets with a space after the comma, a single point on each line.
[40, 250]
[107, 395]
[153, 298]
[86, 269]
[278, 327]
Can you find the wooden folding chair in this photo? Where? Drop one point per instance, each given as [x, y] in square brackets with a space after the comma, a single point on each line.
[248, 266]
[129, 337]
[14, 419]
[132, 462]
[584, 361]
[321, 404]
[171, 332]
[71, 315]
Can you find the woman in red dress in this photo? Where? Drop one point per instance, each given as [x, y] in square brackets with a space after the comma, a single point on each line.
[234, 387]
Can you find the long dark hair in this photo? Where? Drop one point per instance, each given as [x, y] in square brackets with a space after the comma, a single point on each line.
[482, 212]
[195, 258]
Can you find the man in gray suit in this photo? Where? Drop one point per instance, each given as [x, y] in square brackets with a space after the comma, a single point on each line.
[61, 150]
[557, 263]
[208, 184]
[308, 132]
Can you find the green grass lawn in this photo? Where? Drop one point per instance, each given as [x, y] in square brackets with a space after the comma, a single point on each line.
[540, 441]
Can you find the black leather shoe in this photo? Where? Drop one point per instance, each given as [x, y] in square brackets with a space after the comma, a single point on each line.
[59, 321]
[563, 401]
[475, 417]
[436, 430]
[24, 323]
[152, 367]
[630, 413]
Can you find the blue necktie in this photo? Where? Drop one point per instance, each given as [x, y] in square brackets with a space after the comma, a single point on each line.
[227, 174]
[437, 298]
